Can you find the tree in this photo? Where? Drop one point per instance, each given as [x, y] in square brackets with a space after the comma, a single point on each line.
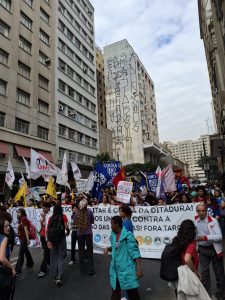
[103, 157]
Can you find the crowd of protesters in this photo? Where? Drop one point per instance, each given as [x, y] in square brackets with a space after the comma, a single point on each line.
[55, 228]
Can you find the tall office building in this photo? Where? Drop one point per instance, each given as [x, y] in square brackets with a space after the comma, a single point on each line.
[27, 81]
[212, 31]
[190, 152]
[76, 82]
[105, 135]
[130, 106]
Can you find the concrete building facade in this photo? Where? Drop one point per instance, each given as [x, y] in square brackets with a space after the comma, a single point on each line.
[105, 135]
[77, 118]
[190, 152]
[212, 31]
[130, 106]
[27, 81]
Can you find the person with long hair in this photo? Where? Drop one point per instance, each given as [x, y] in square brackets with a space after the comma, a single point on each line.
[73, 233]
[23, 234]
[7, 292]
[84, 221]
[185, 243]
[56, 233]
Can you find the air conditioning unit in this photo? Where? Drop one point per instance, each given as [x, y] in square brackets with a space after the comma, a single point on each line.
[48, 61]
[61, 107]
[93, 126]
[85, 70]
[72, 113]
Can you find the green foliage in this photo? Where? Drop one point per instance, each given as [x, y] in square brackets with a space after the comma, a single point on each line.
[103, 157]
[134, 169]
[213, 172]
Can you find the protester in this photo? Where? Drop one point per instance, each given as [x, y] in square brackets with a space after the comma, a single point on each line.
[200, 194]
[46, 251]
[105, 201]
[23, 234]
[6, 292]
[11, 236]
[56, 237]
[210, 249]
[125, 266]
[73, 234]
[222, 218]
[84, 221]
[126, 213]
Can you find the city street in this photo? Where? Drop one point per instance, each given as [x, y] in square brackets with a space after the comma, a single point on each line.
[77, 287]
[80, 287]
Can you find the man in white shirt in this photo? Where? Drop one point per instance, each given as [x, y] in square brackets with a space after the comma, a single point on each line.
[210, 249]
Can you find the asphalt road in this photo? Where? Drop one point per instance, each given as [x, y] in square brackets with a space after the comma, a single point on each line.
[82, 287]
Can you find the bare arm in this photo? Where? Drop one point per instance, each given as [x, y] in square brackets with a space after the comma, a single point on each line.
[3, 258]
[189, 262]
[26, 232]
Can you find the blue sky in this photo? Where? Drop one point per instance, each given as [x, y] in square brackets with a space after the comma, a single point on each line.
[165, 35]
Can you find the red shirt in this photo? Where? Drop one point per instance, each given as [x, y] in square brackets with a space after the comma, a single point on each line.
[22, 223]
[191, 249]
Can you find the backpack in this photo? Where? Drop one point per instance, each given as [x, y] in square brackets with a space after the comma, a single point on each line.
[56, 230]
[32, 231]
[170, 261]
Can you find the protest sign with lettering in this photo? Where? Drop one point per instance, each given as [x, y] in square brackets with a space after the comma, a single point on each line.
[80, 185]
[124, 190]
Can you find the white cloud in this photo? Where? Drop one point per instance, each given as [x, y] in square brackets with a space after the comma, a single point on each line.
[165, 35]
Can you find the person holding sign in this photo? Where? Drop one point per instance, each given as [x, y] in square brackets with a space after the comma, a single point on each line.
[125, 266]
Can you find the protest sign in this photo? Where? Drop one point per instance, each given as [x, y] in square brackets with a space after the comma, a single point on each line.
[80, 185]
[124, 190]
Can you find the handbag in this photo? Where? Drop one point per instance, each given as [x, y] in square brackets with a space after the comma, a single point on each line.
[5, 277]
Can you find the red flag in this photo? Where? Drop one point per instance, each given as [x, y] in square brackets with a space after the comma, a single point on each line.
[120, 176]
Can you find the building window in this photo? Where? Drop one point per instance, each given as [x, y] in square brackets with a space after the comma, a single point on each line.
[85, 85]
[4, 29]
[77, 43]
[79, 98]
[94, 143]
[62, 26]
[3, 87]
[24, 70]
[70, 53]
[4, 56]
[44, 16]
[70, 72]
[43, 133]
[62, 65]
[62, 108]
[43, 59]
[29, 2]
[92, 90]
[71, 92]
[87, 141]
[72, 156]
[72, 134]
[80, 137]
[44, 37]
[69, 34]
[62, 86]
[43, 82]
[22, 126]
[61, 153]
[6, 4]
[62, 45]
[92, 107]
[24, 44]
[78, 61]
[43, 107]
[23, 97]
[62, 130]
[27, 22]
[80, 158]
[78, 78]
[2, 119]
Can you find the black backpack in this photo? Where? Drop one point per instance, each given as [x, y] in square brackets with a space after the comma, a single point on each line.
[170, 261]
[56, 230]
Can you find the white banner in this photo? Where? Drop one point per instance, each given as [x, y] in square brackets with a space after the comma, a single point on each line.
[154, 226]
[40, 165]
[124, 190]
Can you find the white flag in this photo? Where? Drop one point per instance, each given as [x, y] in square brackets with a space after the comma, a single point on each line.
[158, 172]
[27, 166]
[90, 182]
[41, 166]
[21, 180]
[76, 171]
[9, 176]
[47, 177]
[62, 177]
[168, 180]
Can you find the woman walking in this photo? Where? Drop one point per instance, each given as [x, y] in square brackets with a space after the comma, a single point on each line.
[23, 234]
[85, 219]
[6, 292]
[125, 266]
[56, 236]
[73, 234]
